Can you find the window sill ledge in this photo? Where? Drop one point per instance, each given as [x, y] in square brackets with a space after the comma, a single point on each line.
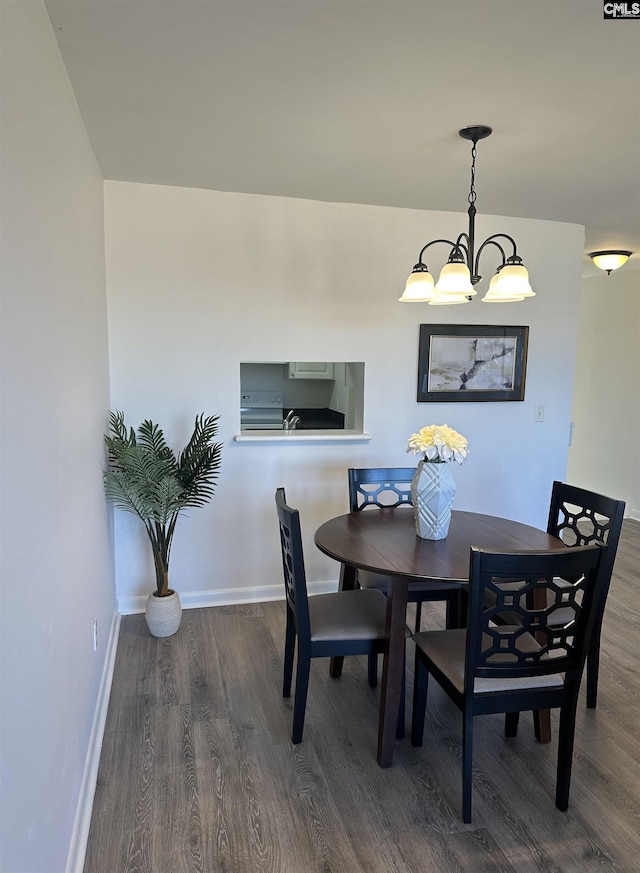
[303, 436]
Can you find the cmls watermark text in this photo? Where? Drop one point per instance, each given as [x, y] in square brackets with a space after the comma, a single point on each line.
[621, 10]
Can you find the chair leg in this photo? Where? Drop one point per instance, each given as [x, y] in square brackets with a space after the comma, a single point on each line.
[467, 765]
[593, 668]
[511, 724]
[347, 582]
[373, 669]
[335, 667]
[403, 696]
[420, 689]
[454, 610]
[300, 703]
[289, 649]
[542, 725]
[418, 615]
[566, 734]
[461, 607]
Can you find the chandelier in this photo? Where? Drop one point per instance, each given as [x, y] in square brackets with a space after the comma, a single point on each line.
[458, 276]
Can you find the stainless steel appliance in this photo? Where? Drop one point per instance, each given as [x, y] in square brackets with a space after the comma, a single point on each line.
[261, 410]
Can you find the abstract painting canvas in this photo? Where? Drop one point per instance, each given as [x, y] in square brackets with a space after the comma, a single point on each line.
[471, 362]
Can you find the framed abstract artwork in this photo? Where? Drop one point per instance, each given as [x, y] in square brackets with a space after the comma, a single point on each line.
[474, 362]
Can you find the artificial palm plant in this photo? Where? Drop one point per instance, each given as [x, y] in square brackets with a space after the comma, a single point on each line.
[145, 477]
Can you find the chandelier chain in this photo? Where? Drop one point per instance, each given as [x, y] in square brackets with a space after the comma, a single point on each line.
[472, 192]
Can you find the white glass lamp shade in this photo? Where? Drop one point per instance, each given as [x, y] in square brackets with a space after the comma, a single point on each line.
[419, 288]
[512, 281]
[609, 261]
[488, 298]
[449, 299]
[455, 279]
[494, 296]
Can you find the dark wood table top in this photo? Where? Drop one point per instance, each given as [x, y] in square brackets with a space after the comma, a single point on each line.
[385, 541]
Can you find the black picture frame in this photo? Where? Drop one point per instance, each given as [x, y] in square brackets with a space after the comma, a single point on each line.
[471, 362]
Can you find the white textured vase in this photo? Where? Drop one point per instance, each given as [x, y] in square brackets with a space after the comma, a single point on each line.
[432, 490]
[163, 614]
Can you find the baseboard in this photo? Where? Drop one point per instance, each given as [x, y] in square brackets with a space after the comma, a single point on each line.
[225, 596]
[80, 834]
[634, 514]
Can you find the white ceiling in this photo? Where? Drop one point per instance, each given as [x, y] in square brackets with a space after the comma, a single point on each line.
[360, 101]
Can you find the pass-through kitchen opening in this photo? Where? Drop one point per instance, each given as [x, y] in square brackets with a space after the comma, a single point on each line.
[301, 395]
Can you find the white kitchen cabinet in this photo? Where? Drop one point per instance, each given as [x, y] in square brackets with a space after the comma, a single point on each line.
[310, 370]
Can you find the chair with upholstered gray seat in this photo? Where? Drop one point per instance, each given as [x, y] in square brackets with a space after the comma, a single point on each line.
[326, 625]
[390, 487]
[580, 517]
[509, 668]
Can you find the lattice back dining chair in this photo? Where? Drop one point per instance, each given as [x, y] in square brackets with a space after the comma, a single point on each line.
[531, 665]
[579, 518]
[390, 487]
[326, 625]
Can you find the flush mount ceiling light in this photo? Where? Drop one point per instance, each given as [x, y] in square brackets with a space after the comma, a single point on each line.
[610, 260]
[458, 276]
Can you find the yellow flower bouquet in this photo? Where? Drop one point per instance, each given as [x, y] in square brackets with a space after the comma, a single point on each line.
[438, 443]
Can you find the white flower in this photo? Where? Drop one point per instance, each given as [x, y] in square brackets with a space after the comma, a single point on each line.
[438, 443]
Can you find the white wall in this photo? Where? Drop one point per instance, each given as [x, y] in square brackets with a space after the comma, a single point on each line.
[198, 281]
[57, 566]
[605, 450]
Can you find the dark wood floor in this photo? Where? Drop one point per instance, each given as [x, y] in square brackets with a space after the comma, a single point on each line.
[198, 772]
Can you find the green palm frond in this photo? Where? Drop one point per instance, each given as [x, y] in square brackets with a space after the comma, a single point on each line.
[116, 423]
[125, 494]
[141, 482]
[151, 437]
[119, 440]
[199, 462]
[145, 478]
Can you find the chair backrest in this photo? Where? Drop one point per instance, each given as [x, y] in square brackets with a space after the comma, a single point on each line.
[532, 646]
[295, 581]
[380, 486]
[580, 517]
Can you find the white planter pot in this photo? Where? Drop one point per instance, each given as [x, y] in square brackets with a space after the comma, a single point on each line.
[163, 614]
[432, 490]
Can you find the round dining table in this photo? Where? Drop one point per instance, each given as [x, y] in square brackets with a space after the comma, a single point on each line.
[385, 541]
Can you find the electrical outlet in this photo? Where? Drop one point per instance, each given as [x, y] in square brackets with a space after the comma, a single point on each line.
[95, 634]
[538, 413]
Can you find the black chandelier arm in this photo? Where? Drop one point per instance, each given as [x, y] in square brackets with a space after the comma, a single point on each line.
[432, 243]
[457, 245]
[494, 237]
[492, 241]
[466, 247]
